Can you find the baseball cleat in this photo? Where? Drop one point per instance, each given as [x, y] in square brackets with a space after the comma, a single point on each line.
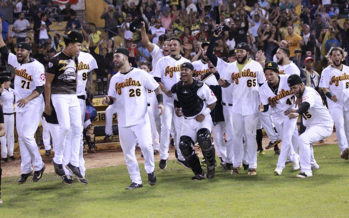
[210, 172]
[295, 164]
[303, 175]
[108, 138]
[260, 151]
[228, 166]
[5, 159]
[345, 154]
[277, 150]
[152, 178]
[38, 174]
[315, 166]
[67, 180]
[245, 166]
[252, 172]
[58, 169]
[235, 171]
[200, 176]
[163, 164]
[278, 171]
[12, 158]
[183, 163]
[83, 180]
[156, 152]
[134, 186]
[24, 177]
[74, 170]
[272, 144]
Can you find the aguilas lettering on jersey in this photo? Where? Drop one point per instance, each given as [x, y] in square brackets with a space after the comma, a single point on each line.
[197, 73]
[23, 73]
[336, 79]
[245, 73]
[282, 94]
[82, 66]
[128, 82]
[170, 70]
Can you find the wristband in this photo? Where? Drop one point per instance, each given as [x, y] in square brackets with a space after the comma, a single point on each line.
[159, 97]
[329, 95]
[206, 111]
[111, 101]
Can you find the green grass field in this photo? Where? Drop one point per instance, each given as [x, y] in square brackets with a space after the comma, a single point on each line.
[326, 194]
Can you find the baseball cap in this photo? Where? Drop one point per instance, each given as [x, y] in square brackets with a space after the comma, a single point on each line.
[294, 79]
[187, 65]
[123, 51]
[24, 45]
[308, 59]
[271, 66]
[205, 44]
[231, 53]
[243, 45]
[74, 36]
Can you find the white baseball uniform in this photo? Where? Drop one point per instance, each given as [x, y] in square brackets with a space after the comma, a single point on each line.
[154, 117]
[286, 127]
[130, 89]
[289, 69]
[245, 108]
[8, 140]
[318, 123]
[46, 138]
[337, 81]
[86, 64]
[156, 54]
[27, 77]
[168, 69]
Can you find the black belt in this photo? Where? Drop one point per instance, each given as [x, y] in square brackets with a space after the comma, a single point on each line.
[82, 97]
[9, 113]
[226, 104]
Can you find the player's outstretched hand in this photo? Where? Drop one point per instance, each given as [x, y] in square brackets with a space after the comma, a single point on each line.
[48, 110]
[161, 108]
[293, 115]
[200, 118]
[334, 98]
[178, 112]
[22, 102]
[106, 100]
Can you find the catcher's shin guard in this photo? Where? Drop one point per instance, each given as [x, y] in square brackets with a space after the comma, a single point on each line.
[186, 146]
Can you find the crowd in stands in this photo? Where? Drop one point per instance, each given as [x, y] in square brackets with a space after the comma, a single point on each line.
[309, 28]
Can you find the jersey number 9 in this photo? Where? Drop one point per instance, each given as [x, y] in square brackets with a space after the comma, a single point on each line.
[84, 76]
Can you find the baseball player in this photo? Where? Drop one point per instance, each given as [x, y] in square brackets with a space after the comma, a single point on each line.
[195, 100]
[60, 89]
[128, 90]
[286, 66]
[334, 82]
[29, 85]
[7, 97]
[46, 138]
[207, 73]
[166, 73]
[277, 97]
[317, 120]
[86, 65]
[246, 75]
[153, 113]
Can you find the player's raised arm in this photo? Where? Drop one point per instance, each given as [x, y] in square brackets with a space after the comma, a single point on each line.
[145, 39]
[212, 57]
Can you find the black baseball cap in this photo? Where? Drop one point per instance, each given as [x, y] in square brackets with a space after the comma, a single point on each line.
[205, 44]
[187, 65]
[294, 79]
[24, 45]
[243, 45]
[271, 66]
[74, 36]
[122, 51]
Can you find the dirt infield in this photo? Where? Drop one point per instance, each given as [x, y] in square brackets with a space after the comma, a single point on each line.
[111, 157]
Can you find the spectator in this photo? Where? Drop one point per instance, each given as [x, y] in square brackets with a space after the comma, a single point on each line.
[44, 29]
[111, 19]
[18, 8]
[6, 9]
[240, 29]
[312, 78]
[332, 41]
[166, 19]
[308, 41]
[293, 40]
[317, 25]
[67, 12]
[126, 27]
[157, 31]
[118, 40]
[4, 28]
[52, 11]
[21, 28]
[104, 62]
[73, 23]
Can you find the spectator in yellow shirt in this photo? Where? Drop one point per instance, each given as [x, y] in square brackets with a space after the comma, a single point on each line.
[293, 40]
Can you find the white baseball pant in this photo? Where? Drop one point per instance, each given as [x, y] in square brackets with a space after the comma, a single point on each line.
[169, 118]
[287, 129]
[8, 140]
[341, 122]
[69, 118]
[129, 136]
[245, 126]
[67, 155]
[190, 127]
[45, 134]
[27, 123]
[218, 139]
[267, 124]
[228, 119]
[311, 135]
[154, 117]
[109, 119]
